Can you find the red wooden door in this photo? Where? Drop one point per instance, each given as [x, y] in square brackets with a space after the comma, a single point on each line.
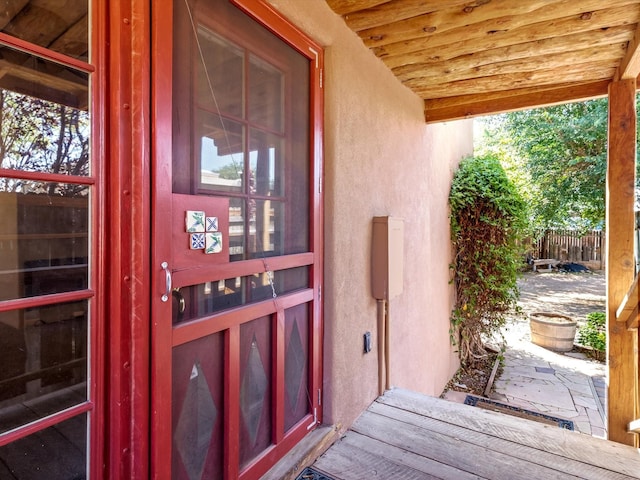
[236, 242]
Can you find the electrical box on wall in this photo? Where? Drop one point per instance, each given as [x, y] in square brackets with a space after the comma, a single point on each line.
[387, 257]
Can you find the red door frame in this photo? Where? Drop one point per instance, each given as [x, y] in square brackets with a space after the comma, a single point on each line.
[161, 116]
[127, 118]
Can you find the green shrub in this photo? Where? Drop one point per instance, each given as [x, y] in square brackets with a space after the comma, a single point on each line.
[488, 218]
[594, 332]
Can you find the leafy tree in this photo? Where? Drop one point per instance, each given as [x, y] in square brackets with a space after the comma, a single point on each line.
[557, 156]
[38, 135]
[230, 171]
[488, 218]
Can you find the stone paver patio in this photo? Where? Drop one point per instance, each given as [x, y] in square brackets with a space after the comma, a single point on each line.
[569, 386]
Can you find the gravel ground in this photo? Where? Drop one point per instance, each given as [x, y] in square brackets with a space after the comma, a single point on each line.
[571, 294]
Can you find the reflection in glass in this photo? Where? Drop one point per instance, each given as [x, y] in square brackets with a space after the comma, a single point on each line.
[266, 95]
[43, 238]
[63, 28]
[296, 365]
[264, 236]
[44, 116]
[56, 453]
[198, 408]
[221, 153]
[255, 388]
[266, 159]
[220, 79]
[43, 353]
[198, 301]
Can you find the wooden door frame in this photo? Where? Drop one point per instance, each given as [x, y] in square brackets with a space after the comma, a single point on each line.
[127, 221]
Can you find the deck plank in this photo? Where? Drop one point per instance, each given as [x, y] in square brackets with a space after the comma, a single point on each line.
[455, 452]
[396, 455]
[583, 448]
[406, 435]
[507, 447]
[346, 461]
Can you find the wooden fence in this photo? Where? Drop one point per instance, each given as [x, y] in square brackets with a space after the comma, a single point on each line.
[569, 246]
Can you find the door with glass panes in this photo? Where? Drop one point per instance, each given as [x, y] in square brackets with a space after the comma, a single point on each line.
[236, 340]
[49, 178]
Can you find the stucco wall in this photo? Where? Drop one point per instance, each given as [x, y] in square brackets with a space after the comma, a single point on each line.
[380, 159]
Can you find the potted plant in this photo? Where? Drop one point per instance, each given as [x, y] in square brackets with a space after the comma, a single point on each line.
[552, 330]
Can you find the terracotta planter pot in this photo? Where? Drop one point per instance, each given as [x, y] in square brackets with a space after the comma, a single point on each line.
[552, 330]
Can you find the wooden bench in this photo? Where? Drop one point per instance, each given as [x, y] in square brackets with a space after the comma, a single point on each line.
[551, 262]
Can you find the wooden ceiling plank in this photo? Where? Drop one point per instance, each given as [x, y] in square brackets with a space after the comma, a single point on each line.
[43, 78]
[453, 71]
[45, 20]
[579, 90]
[10, 9]
[470, 106]
[499, 16]
[630, 64]
[74, 42]
[455, 59]
[478, 40]
[570, 74]
[344, 7]
[399, 10]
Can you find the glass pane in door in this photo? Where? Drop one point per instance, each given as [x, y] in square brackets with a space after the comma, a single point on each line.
[44, 238]
[45, 242]
[296, 365]
[198, 409]
[56, 453]
[43, 353]
[255, 388]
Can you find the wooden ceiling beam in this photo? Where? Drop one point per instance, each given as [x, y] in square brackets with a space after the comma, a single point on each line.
[10, 8]
[344, 7]
[455, 71]
[44, 21]
[476, 40]
[630, 64]
[469, 106]
[512, 81]
[358, 10]
[400, 10]
[496, 16]
[455, 57]
[75, 41]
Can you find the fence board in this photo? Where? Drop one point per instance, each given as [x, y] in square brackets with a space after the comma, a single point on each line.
[570, 246]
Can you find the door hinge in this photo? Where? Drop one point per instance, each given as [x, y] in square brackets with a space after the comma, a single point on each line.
[319, 396]
[321, 76]
[319, 293]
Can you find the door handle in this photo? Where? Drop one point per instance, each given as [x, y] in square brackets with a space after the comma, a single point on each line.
[167, 273]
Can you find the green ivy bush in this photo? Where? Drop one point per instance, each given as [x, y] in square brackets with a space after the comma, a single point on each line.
[488, 220]
[594, 333]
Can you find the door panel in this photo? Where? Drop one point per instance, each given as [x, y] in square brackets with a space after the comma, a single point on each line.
[49, 229]
[237, 230]
[198, 408]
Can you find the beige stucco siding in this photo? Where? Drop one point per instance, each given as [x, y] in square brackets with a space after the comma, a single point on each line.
[380, 159]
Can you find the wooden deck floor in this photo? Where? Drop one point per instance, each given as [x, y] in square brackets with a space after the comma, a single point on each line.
[405, 435]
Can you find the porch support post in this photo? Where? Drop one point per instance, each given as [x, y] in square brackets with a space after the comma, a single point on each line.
[622, 357]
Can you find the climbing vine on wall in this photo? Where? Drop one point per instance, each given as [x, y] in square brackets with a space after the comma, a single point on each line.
[488, 217]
